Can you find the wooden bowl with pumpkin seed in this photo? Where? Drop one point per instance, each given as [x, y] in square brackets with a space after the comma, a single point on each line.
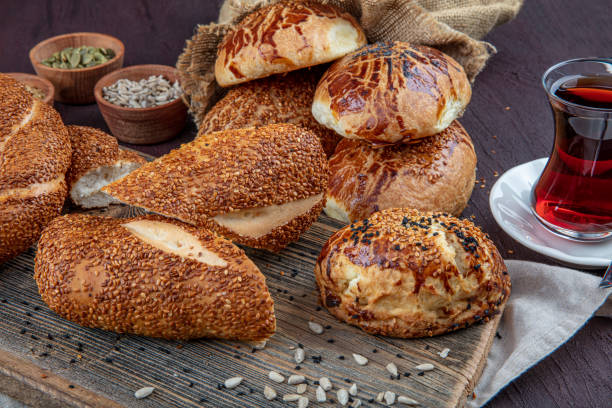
[75, 62]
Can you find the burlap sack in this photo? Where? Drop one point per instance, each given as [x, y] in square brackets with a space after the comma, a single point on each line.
[453, 26]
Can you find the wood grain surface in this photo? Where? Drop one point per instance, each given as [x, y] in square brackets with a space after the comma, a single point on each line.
[545, 32]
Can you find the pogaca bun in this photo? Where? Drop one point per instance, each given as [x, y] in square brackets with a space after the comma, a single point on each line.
[391, 92]
[436, 173]
[405, 273]
[283, 37]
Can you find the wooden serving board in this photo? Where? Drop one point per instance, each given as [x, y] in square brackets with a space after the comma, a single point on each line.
[46, 361]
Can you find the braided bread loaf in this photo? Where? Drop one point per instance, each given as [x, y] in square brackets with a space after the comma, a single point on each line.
[34, 156]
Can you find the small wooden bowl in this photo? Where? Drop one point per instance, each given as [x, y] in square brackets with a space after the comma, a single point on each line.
[142, 125]
[36, 82]
[76, 85]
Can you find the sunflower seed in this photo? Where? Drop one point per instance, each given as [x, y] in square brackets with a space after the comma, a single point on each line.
[425, 367]
[259, 345]
[325, 383]
[276, 377]
[143, 392]
[343, 396]
[353, 390]
[146, 93]
[320, 393]
[361, 360]
[444, 353]
[356, 403]
[291, 397]
[406, 401]
[233, 382]
[269, 393]
[380, 396]
[389, 397]
[315, 327]
[299, 355]
[302, 402]
[301, 388]
[392, 368]
[295, 379]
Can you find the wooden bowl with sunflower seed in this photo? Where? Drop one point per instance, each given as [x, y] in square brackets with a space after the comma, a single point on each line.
[75, 62]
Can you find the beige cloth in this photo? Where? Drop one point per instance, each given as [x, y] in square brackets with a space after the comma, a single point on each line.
[456, 27]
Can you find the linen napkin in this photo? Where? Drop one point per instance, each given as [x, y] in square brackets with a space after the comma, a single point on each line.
[548, 305]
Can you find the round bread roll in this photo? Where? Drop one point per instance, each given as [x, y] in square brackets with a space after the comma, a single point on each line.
[283, 37]
[151, 276]
[406, 273]
[276, 99]
[96, 162]
[34, 156]
[435, 174]
[391, 92]
[261, 187]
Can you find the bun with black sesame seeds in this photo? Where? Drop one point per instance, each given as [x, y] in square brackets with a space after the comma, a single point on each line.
[436, 173]
[151, 276]
[406, 273]
[276, 99]
[96, 162]
[283, 37]
[391, 92]
[260, 187]
[34, 156]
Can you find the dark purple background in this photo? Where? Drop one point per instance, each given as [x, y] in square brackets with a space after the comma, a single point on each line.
[545, 32]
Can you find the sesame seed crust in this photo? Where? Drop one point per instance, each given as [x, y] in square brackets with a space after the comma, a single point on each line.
[233, 170]
[406, 273]
[34, 150]
[95, 272]
[434, 174]
[277, 99]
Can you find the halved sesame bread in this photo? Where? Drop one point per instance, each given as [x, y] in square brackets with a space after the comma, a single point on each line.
[151, 276]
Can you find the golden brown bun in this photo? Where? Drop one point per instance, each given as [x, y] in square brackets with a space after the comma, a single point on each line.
[96, 162]
[406, 273]
[260, 187]
[391, 92]
[141, 276]
[34, 156]
[277, 99]
[434, 174]
[283, 37]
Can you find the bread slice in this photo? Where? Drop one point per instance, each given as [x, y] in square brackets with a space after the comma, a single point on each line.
[260, 187]
[96, 162]
[151, 276]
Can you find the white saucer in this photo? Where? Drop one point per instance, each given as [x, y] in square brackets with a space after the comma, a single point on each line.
[509, 201]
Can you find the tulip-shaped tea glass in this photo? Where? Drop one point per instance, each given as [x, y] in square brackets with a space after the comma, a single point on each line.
[573, 196]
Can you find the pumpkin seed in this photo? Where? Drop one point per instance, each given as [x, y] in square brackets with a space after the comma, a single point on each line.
[79, 57]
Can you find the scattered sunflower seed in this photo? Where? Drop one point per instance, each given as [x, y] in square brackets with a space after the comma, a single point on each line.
[389, 397]
[392, 368]
[380, 396]
[276, 377]
[315, 327]
[233, 382]
[291, 397]
[353, 389]
[320, 393]
[343, 396]
[425, 367]
[325, 383]
[356, 403]
[269, 393]
[143, 392]
[359, 359]
[302, 402]
[301, 388]
[299, 355]
[406, 401]
[295, 379]
[444, 353]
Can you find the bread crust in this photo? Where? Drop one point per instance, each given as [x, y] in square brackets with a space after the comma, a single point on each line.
[34, 156]
[283, 37]
[233, 170]
[95, 272]
[391, 92]
[434, 174]
[276, 99]
[405, 273]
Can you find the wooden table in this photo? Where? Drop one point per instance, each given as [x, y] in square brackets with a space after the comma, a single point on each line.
[508, 119]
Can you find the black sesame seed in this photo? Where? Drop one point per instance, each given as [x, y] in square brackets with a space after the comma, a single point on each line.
[297, 367]
[406, 374]
[300, 345]
[164, 350]
[203, 400]
[28, 314]
[285, 291]
[22, 331]
[220, 386]
[427, 347]
[66, 336]
[253, 350]
[318, 308]
[251, 390]
[27, 322]
[328, 326]
[316, 382]
[34, 337]
[45, 354]
[498, 335]
[49, 345]
[330, 340]
[341, 357]
[396, 247]
[279, 290]
[109, 360]
[25, 303]
[190, 385]
[237, 356]
[392, 377]
[469, 306]
[347, 380]
[422, 373]
[371, 400]
[290, 297]
[398, 355]
[71, 386]
[49, 336]
[72, 361]
[374, 351]
[36, 308]
[477, 266]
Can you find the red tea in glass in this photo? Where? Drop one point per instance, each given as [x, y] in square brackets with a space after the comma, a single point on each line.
[574, 193]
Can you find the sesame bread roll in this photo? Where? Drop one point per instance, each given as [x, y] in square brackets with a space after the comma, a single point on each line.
[34, 156]
[96, 162]
[276, 99]
[260, 187]
[391, 92]
[283, 37]
[151, 276]
[406, 273]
